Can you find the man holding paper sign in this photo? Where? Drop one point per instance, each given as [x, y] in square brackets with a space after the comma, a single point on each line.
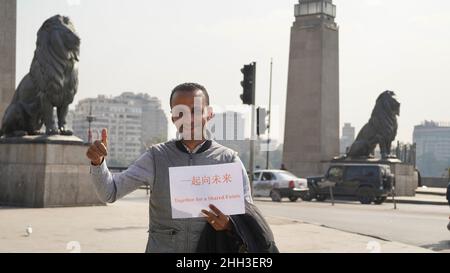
[184, 176]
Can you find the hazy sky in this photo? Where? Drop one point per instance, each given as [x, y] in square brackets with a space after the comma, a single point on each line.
[151, 46]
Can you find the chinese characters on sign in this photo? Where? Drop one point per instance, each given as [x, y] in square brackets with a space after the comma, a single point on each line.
[208, 180]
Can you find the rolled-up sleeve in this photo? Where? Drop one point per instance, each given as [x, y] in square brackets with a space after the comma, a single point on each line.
[112, 187]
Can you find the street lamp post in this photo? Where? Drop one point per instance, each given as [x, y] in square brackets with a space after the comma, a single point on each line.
[270, 115]
[90, 118]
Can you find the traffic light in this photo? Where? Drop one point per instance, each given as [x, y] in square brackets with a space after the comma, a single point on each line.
[248, 84]
[261, 121]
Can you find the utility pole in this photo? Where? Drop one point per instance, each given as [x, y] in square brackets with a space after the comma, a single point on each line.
[270, 115]
[90, 118]
[248, 97]
[252, 149]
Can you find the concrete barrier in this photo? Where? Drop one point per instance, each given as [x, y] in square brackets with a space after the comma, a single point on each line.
[406, 179]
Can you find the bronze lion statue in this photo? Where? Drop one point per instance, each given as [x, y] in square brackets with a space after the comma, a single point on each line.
[51, 82]
[381, 128]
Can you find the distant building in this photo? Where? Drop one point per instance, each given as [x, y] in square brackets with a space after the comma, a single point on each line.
[433, 148]
[228, 126]
[134, 122]
[348, 137]
[260, 159]
[228, 129]
[69, 119]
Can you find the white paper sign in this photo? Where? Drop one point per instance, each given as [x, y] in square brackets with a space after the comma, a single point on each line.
[194, 188]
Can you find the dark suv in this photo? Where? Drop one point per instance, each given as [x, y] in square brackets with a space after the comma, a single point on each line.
[367, 182]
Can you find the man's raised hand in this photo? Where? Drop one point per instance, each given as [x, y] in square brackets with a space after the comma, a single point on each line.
[98, 150]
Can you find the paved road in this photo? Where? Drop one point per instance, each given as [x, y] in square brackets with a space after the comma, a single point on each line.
[419, 225]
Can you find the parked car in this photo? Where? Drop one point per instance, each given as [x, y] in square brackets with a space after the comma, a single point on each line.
[312, 185]
[366, 182]
[448, 194]
[278, 184]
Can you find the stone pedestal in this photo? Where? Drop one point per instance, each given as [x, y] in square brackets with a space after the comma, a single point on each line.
[42, 172]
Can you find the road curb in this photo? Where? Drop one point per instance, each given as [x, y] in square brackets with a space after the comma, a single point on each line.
[430, 193]
[418, 202]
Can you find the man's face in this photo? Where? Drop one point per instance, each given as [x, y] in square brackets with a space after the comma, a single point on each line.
[190, 114]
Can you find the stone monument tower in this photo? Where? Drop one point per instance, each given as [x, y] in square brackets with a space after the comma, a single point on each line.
[8, 12]
[312, 109]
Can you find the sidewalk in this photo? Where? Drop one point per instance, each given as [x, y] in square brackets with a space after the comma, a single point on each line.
[122, 227]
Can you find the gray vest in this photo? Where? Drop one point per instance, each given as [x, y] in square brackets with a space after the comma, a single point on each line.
[177, 235]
